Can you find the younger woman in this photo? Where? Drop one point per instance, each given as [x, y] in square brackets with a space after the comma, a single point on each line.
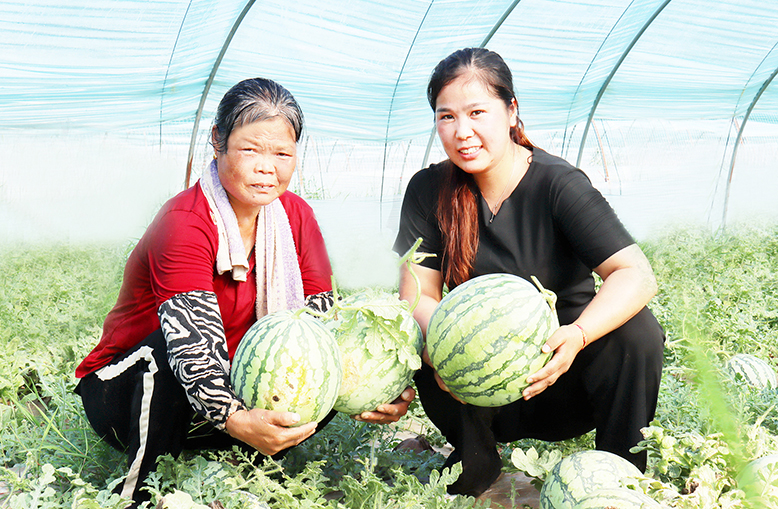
[498, 204]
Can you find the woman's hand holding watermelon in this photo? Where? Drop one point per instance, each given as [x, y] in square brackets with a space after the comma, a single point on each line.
[425, 357]
[565, 342]
[389, 412]
[268, 431]
[628, 284]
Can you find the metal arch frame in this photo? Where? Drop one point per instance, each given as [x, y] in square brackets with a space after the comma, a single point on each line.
[565, 140]
[751, 107]
[167, 71]
[615, 69]
[394, 94]
[486, 40]
[208, 84]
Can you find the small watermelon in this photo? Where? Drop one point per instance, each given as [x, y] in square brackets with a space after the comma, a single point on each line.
[617, 498]
[753, 370]
[760, 477]
[288, 361]
[485, 337]
[581, 474]
[380, 349]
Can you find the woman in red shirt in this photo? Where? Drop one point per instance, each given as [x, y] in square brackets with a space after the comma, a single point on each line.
[235, 246]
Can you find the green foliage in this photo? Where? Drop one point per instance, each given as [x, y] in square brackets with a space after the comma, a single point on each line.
[52, 304]
[535, 465]
[344, 444]
[730, 278]
[718, 296]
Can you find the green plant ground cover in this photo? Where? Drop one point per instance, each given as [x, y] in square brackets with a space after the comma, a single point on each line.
[718, 296]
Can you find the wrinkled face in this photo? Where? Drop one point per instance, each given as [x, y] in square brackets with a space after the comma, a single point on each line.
[474, 125]
[258, 164]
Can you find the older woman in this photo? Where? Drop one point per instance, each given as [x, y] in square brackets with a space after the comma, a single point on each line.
[233, 247]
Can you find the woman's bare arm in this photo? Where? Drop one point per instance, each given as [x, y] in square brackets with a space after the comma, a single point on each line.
[628, 285]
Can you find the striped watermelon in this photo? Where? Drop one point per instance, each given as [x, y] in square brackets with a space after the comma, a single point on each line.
[484, 337]
[288, 361]
[617, 498]
[760, 477]
[753, 370]
[582, 474]
[380, 349]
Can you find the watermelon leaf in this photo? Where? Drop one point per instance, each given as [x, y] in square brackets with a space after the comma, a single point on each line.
[535, 465]
[381, 344]
[408, 356]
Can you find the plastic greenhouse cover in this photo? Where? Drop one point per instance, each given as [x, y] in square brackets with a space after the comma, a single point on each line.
[663, 88]
[359, 68]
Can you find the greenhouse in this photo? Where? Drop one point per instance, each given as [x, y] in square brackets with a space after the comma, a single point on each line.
[670, 108]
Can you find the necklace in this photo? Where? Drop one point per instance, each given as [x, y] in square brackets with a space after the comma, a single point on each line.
[502, 197]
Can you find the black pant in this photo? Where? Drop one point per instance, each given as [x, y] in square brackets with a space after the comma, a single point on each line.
[612, 386]
[136, 404]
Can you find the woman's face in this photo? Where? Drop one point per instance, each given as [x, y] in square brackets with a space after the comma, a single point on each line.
[258, 164]
[474, 125]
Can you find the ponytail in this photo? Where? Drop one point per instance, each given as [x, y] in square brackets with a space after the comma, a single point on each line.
[457, 216]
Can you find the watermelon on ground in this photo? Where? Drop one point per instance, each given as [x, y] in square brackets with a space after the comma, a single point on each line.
[288, 361]
[754, 371]
[380, 349]
[485, 337]
[617, 498]
[760, 477]
[581, 474]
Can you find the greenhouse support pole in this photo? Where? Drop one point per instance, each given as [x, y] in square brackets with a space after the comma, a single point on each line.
[167, 70]
[207, 88]
[737, 143]
[425, 161]
[568, 141]
[611, 75]
[483, 44]
[391, 108]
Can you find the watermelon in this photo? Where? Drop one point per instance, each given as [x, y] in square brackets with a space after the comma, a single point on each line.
[380, 349]
[581, 474]
[288, 361]
[485, 337]
[617, 498]
[753, 371]
[760, 477]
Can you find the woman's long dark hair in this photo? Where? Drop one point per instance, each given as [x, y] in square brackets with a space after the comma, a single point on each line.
[457, 210]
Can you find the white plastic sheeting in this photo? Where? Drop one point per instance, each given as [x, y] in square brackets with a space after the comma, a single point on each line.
[663, 89]
[360, 66]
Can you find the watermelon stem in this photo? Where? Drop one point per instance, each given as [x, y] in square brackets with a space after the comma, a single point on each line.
[335, 299]
[411, 256]
[547, 294]
[306, 309]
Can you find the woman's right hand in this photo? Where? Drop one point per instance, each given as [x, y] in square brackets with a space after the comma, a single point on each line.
[268, 431]
[425, 356]
[431, 289]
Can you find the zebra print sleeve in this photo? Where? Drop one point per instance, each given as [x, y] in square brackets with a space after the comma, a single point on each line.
[197, 353]
[320, 302]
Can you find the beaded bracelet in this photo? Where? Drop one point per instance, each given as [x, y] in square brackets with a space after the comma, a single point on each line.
[583, 335]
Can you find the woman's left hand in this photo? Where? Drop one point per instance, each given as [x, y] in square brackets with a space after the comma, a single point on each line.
[628, 284]
[389, 412]
[565, 342]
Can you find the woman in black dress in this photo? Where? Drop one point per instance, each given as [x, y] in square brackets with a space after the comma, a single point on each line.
[498, 204]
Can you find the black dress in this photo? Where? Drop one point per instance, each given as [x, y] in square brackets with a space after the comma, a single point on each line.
[557, 227]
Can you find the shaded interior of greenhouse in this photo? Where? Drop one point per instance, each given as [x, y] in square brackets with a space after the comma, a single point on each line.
[669, 106]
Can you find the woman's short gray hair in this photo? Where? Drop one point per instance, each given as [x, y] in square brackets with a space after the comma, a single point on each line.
[254, 100]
